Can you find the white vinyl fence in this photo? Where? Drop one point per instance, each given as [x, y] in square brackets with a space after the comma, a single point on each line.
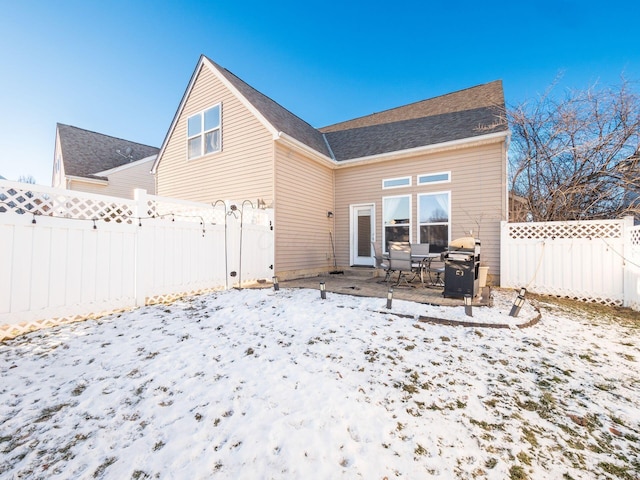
[594, 261]
[67, 255]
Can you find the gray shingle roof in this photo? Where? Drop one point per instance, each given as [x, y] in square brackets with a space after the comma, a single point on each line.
[463, 114]
[481, 96]
[458, 115]
[86, 153]
[278, 116]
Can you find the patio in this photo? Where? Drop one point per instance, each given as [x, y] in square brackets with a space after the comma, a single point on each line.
[365, 282]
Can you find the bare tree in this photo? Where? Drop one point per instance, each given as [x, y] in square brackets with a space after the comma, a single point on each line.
[577, 157]
[27, 179]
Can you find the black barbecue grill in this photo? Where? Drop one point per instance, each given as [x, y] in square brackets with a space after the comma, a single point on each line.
[461, 267]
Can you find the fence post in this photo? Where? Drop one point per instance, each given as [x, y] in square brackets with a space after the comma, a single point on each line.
[628, 279]
[504, 254]
[140, 267]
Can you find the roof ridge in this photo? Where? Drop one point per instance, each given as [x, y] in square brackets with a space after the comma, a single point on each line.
[409, 106]
[261, 93]
[278, 117]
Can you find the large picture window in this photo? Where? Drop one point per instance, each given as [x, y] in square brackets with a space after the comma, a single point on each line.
[203, 132]
[396, 213]
[433, 219]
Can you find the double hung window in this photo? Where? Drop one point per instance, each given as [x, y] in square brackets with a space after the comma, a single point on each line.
[203, 132]
[433, 219]
[397, 219]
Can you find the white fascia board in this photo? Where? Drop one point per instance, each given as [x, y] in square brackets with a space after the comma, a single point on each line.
[174, 122]
[427, 149]
[272, 130]
[204, 61]
[106, 173]
[95, 181]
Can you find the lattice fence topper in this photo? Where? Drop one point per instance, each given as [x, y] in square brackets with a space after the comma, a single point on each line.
[38, 200]
[562, 230]
[634, 236]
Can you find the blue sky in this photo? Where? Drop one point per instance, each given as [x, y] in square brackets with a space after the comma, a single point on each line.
[121, 67]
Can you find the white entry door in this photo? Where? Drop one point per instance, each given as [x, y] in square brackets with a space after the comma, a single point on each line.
[362, 234]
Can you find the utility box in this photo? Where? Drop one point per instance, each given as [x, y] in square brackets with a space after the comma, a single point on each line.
[461, 268]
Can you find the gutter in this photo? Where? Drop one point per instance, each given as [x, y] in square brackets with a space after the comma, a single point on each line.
[95, 181]
[427, 149]
[396, 155]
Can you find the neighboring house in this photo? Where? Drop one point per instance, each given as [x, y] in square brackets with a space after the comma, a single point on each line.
[92, 162]
[427, 172]
[631, 196]
[519, 210]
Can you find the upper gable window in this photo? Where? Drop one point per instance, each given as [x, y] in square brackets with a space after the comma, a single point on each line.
[441, 177]
[203, 132]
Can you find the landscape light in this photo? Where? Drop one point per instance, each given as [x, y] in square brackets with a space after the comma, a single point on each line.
[323, 291]
[468, 309]
[518, 303]
[389, 297]
[276, 285]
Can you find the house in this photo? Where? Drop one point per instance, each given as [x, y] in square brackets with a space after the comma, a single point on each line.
[92, 162]
[427, 172]
[519, 210]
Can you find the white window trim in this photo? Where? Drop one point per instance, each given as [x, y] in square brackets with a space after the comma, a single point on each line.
[419, 223]
[203, 132]
[396, 186]
[384, 225]
[447, 173]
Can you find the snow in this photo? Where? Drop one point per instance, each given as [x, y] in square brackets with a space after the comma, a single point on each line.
[260, 384]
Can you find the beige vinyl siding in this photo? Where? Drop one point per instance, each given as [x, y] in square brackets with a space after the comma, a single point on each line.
[304, 196]
[123, 182]
[87, 187]
[477, 188]
[243, 170]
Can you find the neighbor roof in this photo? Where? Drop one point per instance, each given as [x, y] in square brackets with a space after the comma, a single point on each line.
[86, 153]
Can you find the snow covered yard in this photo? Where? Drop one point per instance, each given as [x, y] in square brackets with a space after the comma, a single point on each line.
[257, 384]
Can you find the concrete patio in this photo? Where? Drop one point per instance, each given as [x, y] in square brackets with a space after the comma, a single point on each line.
[366, 283]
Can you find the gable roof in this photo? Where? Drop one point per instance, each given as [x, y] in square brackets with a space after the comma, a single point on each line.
[279, 117]
[468, 113]
[86, 153]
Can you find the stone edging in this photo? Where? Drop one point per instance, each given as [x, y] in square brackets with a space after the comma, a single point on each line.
[455, 323]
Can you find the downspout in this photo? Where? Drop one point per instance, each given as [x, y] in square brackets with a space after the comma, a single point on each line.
[333, 194]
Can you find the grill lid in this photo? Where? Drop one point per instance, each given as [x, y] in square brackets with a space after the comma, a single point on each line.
[466, 243]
